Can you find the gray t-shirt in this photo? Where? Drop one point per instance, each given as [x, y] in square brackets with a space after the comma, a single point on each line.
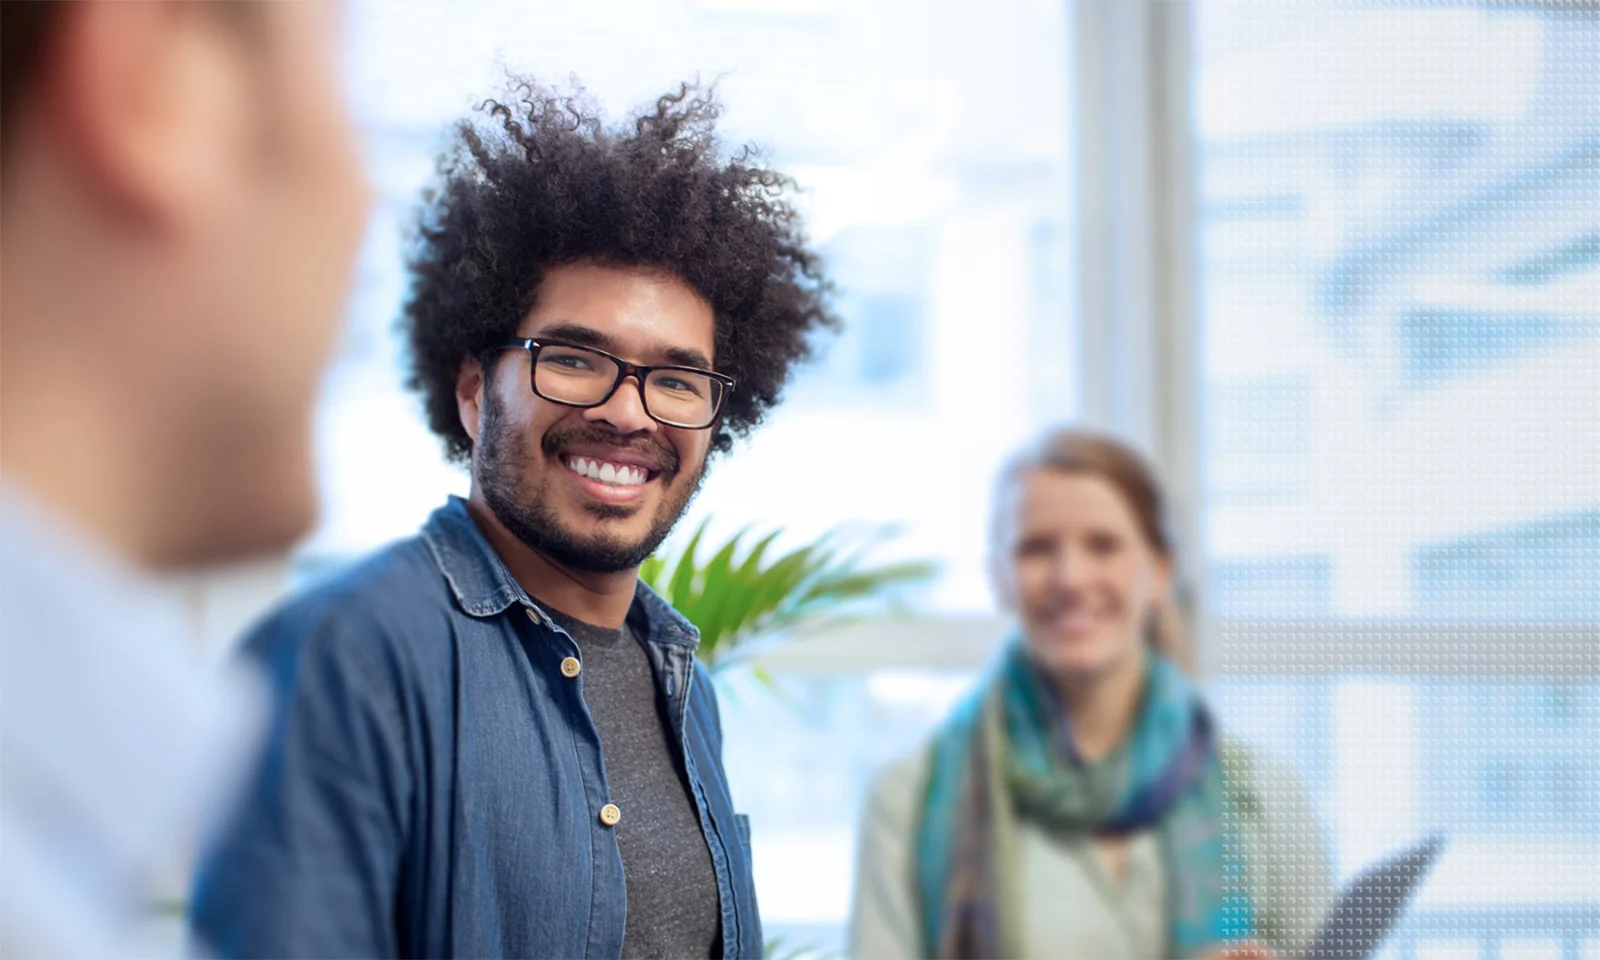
[673, 907]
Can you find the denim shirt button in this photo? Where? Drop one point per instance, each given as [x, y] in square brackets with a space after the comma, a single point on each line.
[610, 815]
[570, 667]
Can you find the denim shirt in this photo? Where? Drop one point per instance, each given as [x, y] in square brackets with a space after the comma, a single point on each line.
[433, 782]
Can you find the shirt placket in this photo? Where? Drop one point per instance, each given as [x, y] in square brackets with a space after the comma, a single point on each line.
[608, 887]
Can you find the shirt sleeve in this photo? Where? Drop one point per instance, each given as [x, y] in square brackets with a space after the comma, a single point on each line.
[884, 916]
[308, 864]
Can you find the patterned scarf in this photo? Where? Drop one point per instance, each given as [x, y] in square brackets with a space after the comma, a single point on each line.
[1007, 754]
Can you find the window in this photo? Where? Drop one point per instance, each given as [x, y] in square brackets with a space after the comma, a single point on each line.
[1505, 769]
[1267, 587]
[1399, 311]
[1543, 570]
[881, 355]
[1438, 344]
[1261, 447]
[1400, 299]
[834, 732]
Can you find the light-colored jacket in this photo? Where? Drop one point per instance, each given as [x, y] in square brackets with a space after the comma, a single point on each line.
[1073, 908]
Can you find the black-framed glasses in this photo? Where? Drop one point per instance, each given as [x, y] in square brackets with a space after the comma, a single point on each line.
[565, 373]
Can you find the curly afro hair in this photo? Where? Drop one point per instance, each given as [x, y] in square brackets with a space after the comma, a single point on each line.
[540, 181]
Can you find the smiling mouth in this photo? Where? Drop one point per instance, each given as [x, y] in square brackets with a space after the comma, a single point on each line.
[1076, 622]
[610, 472]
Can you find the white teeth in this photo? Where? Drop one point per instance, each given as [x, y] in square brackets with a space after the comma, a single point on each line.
[624, 475]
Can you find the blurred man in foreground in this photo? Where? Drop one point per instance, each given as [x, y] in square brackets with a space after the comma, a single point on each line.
[182, 202]
[492, 739]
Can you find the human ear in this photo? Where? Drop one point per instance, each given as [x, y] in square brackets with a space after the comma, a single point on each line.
[469, 396]
[1162, 580]
[153, 101]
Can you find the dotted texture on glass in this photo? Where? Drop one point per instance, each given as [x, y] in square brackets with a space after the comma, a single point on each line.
[1399, 246]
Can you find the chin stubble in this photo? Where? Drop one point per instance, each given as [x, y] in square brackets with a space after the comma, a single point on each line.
[504, 457]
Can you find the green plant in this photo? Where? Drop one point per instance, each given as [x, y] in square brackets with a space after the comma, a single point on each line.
[738, 597]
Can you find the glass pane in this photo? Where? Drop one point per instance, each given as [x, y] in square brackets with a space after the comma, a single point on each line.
[832, 733]
[1399, 238]
[1508, 772]
[1400, 259]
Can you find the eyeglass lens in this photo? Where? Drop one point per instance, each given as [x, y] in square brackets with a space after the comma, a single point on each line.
[584, 378]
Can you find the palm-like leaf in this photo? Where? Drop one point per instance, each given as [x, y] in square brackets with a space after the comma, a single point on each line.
[737, 596]
[778, 948]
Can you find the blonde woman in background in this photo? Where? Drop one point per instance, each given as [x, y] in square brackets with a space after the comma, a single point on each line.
[1082, 803]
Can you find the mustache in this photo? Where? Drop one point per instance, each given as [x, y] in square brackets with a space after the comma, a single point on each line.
[657, 456]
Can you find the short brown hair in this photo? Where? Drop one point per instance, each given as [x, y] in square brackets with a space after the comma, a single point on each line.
[26, 28]
[1069, 450]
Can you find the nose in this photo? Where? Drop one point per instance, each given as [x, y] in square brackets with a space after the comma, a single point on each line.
[1071, 570]
[624, 411]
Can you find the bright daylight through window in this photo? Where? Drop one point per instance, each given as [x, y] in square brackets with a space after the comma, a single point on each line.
[1399, 253]
[1396, 242]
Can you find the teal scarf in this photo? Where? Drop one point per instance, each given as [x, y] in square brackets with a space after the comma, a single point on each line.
[1006, 754]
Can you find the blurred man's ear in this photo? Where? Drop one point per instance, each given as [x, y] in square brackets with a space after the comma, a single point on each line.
[469, 396]
[151, 101]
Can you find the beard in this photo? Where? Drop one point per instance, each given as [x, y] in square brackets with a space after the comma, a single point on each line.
[504, 459]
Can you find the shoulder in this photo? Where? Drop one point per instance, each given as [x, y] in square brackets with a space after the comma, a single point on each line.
[705, 680]
[1267, 790]
[884, 913]
[896, 790]
[1274, 809]
[1284, 854]
[371, 617]
[389, 586]
[703, 702]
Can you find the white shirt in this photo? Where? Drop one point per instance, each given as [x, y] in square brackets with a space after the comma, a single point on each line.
[114, 739]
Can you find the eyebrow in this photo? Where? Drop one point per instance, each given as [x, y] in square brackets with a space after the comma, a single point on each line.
[577, 333]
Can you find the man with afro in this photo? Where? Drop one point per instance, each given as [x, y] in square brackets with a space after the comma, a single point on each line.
[492, 739]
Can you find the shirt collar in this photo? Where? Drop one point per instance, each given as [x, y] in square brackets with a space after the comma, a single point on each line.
[484, 587]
